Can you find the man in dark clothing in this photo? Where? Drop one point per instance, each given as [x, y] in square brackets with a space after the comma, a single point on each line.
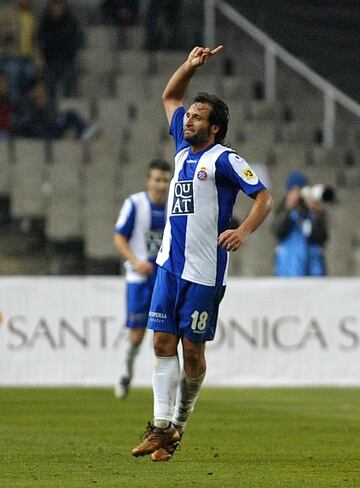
[163, 24]
[38, 119]
[59, 38]
[120, 12]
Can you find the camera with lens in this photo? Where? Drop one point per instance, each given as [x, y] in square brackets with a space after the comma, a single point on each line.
[319, 193]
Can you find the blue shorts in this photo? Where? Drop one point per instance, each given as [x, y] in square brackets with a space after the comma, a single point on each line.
[138, 303]
[184, 308]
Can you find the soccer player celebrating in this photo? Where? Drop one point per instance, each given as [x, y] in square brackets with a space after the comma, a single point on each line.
[138, 234]
[193, 257]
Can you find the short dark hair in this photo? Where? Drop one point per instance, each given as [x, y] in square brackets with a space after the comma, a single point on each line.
[160, 164]
[219, 114]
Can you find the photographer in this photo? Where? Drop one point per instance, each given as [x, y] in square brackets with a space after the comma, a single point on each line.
[301, 229]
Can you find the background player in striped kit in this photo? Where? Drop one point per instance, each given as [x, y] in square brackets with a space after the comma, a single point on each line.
[194, 253]
[138, 235]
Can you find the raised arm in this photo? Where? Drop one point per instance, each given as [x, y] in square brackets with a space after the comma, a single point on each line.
[174, 92]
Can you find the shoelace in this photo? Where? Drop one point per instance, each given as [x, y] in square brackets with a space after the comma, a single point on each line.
[149, 428]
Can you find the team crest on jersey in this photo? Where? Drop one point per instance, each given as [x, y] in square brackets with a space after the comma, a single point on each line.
[202, 174]
[183, 203]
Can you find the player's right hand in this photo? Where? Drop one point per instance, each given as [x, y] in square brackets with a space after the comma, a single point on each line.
[144, 267]
[201, 55]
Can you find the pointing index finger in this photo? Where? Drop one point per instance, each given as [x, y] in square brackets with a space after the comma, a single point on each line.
[217, 49]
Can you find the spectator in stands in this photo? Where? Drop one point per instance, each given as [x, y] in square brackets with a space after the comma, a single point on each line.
[163, 23]
[60, 39]
[123, 13]
[7, 107]
[17, 46]
[39, 119]
[301, 229]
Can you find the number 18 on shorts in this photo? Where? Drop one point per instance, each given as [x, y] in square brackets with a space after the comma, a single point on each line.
[184, 308]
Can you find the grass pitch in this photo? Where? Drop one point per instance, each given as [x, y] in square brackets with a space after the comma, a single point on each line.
[236, 438]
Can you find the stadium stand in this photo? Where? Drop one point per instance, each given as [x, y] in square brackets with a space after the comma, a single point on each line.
[324, 33]
[77, 189]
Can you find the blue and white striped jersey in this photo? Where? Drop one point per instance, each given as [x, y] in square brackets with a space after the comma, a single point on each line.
[142, 223]
[200, 204]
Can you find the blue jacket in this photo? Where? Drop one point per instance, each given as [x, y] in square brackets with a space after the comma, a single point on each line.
[301, 236]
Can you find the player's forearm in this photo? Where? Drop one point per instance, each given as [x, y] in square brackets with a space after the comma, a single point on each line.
[260, 209]
[124, 250]
[178, 83]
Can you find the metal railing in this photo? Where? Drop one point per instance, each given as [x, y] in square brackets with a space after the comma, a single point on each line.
[272, 52]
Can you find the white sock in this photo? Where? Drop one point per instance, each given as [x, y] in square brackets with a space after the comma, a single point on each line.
[165, 382]
[186, 396]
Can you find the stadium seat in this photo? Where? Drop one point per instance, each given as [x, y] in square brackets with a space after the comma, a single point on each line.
[96, 85]
[133, 62]
[132, 89]
[201, 83]
[167, 62]
[145, 143]
[98, 72]
[29, 175]
[168, 150]
[63, 215]
[152, 112]
[235, 88]
[256, 256]
[323, 156]
[235, 264]
[113, 116]
[5, 181]
[132, 37]
[145, 139]
[104, 37]
[290, 155]
[340, 248]
[261, 131]
[251, 151]
[156, 85]
[296, 132]
[248, 61]
[4, 169]
[263, 110]
[102, 200]
[356, 261]
[99, 61]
